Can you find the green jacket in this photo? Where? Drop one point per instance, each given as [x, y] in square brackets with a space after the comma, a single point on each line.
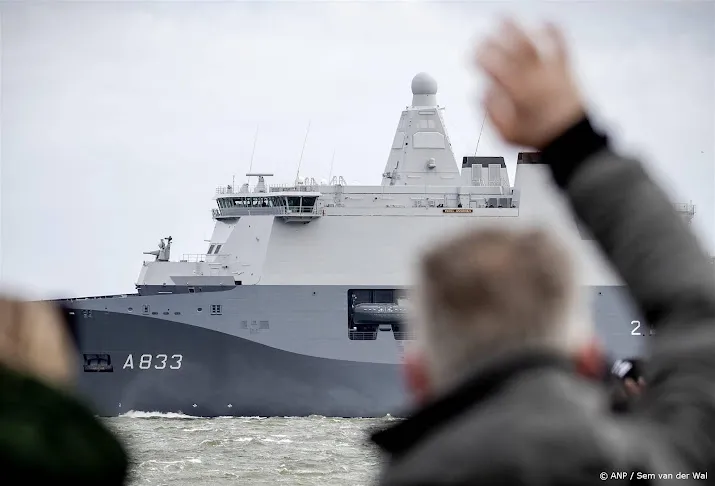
[48, 437]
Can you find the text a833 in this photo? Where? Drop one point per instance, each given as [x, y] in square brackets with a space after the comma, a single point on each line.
[156, 361]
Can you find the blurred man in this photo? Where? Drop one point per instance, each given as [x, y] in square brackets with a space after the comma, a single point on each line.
[46, 436]
[500, 369]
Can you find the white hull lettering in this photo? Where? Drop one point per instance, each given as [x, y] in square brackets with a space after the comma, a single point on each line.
[157, 362]
[635, 331]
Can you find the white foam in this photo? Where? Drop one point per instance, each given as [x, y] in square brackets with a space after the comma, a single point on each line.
[145, 415]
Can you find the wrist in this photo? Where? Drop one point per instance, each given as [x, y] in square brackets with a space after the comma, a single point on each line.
[568, 151]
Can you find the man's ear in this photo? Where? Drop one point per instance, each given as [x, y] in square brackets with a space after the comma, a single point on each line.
[417, 376]
[590, 360]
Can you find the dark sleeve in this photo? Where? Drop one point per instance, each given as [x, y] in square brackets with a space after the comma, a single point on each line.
[47, 437]
[668, 274]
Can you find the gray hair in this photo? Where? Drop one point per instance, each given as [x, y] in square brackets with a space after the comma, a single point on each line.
[495, 290]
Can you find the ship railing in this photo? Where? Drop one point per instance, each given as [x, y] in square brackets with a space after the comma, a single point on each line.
[688, 208]
[251, 190]
[228, 190]
[363, 335]
[234, 212]
[295, 188]
[95, 297]
[195, 257]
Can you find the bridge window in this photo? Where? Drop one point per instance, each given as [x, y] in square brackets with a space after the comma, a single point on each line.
[218, 248]
[308, 203]
[211, 249]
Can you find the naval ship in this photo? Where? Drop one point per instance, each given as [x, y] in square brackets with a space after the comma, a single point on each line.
[297, 306]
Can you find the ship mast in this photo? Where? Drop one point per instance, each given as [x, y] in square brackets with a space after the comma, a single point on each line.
[297, 173]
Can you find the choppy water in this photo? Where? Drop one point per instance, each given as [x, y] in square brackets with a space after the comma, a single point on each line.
[181, 450]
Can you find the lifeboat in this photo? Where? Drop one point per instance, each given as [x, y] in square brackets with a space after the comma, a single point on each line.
[379, 314]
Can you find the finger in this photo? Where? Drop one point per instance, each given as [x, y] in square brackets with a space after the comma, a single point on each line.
[557, 41]
[501, 112]
[632, 387]
[495, 61]
[520, 47]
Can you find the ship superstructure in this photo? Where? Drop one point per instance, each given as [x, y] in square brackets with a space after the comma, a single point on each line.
[296, 306]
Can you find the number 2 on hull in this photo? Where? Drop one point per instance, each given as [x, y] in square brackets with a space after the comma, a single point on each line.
[637, 325]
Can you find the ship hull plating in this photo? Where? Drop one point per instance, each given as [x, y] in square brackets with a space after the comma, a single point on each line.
[223, 375]
[272, 351]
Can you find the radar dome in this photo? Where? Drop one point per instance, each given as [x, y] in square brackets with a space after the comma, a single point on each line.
[424, 84]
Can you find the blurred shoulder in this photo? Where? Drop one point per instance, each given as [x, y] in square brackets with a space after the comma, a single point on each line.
[565, 435]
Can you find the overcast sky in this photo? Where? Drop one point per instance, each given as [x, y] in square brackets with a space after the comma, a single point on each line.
[120, 119]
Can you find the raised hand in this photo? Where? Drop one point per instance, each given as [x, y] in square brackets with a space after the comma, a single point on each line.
[533, 97]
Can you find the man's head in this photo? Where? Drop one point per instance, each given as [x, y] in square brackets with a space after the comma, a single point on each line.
[490, 292]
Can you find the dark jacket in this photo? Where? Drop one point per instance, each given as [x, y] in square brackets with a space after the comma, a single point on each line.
[47, 437]
[529, 419]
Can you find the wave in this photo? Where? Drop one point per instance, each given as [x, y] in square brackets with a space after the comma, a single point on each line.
[135, 414]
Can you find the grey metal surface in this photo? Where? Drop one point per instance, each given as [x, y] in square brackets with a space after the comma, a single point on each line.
[224, 375]
[262, 322]
[273, 351]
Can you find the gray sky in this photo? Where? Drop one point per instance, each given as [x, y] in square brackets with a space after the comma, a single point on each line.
[120, 119]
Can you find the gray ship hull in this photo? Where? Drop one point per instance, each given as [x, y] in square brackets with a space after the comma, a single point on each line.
[268, 351]
[228, 375]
